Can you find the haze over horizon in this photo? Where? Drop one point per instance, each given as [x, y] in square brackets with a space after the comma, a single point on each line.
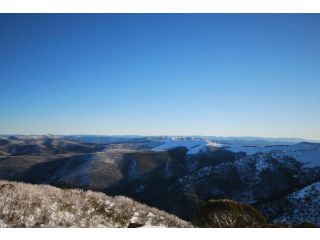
[162, 135]
[161, 74]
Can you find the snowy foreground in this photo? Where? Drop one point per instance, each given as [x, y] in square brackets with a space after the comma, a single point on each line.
[26, 205]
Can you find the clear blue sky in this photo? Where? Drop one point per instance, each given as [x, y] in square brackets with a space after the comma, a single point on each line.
[218, 74]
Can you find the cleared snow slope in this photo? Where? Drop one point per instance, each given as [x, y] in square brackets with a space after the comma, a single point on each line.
[194, 145]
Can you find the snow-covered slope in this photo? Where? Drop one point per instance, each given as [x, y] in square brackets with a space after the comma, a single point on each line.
[305, 206]
[308, 153]
[194, 145]
[26, 205]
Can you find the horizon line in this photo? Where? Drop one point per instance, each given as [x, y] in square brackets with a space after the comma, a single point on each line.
[160, 135]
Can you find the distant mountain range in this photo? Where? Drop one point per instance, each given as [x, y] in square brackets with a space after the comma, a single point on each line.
[280, 177]
[252, 141]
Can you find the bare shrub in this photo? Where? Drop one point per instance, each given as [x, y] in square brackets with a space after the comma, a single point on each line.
[228, 213]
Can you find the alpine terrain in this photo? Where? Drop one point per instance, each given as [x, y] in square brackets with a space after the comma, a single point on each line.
[280, 178]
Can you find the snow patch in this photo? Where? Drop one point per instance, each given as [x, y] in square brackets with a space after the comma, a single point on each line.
[135, 217]
[168, 170]
[315, 187]
[133, 170]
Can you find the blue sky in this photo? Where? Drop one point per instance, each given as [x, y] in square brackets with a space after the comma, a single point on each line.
[188, 74]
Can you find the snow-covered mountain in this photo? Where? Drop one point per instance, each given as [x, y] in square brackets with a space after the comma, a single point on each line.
[305, 152]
